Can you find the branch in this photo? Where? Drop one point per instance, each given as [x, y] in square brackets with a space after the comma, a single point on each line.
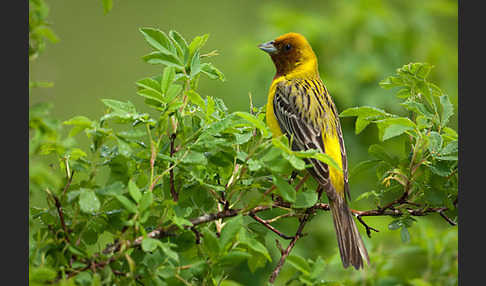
[291, 245]
[267, 225]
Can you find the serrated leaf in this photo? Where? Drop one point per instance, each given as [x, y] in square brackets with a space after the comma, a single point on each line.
[284, 189]
[450, 148]
[418, 108]
[435, 143]
[88, 201]
[447, 109]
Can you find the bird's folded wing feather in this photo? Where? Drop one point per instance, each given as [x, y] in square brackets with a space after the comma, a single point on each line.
[302, 131]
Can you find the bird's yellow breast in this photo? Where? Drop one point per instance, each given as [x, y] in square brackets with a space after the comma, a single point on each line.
[270, 115]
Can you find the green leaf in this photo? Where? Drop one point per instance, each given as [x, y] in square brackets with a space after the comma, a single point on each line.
[284, 189]
[299, 263]
[158, 40]
[167, 78]
[255, 121]
[148, 83]
[391, 81]
[363, 111]
[418, 108]
[210, 242]
[149, 244]
[243, 138]
[173, 91]
[233, 258]
[195, 98]
[195, 65]
[394, 225]
[120, 106]
[361, 166]
[435, 143]
[194, 157]
[361, 124]
[296, 162]
[80, 123]
[229, 230]
[212, 72]
[450, 148]
[107, 6]
[447, 109]
[126, 203]
[41, 274]
[391, 127]
[305, 199]
[88, 201]
[151, 94]
[146, 201]
[405, 235]
[196, 44]
[134, 191]
[317, 268]
[155, 58]
[180, 43]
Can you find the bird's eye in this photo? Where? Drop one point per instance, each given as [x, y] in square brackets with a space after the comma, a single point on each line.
[288, 47]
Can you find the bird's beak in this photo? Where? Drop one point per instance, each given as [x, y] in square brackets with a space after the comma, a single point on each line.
[268, 47]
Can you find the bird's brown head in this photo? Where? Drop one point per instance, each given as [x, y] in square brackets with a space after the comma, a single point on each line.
[291, 54]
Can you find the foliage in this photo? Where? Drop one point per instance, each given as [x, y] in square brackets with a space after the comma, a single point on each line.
[172, 197]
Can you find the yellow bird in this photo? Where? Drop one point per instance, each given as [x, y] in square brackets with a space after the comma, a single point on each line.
[300, 107]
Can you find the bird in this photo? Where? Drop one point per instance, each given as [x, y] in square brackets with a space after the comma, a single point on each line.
[300, 107]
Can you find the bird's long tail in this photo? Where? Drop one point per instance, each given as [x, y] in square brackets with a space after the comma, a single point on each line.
[351, 246]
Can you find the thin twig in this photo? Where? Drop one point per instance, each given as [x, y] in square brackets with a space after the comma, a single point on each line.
[267, 225]
[291, 245]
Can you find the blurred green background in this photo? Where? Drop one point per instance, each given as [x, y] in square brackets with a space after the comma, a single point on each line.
[358, 43]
